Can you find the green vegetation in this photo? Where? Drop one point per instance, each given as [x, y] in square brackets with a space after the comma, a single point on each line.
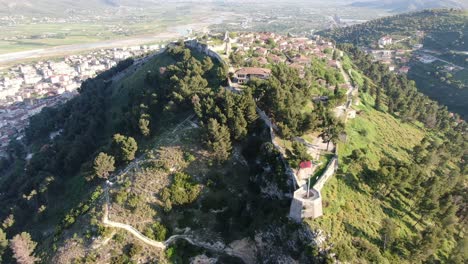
[103, 164]
[3, 243]
[443, 32]
[285, 98]
[124, 148]
[393, 198]
[206, 164]
[448, 88]
[218, 140]
[182, 191]
[445, 29]
[356, 215]
[164, 92]
[157, 232]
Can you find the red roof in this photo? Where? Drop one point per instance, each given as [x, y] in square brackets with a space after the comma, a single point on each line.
[305, 164]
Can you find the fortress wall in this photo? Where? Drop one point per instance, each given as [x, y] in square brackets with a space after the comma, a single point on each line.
[327, 174]
[203, 48]
[301, 205]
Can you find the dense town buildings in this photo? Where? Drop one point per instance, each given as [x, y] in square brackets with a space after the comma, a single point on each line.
[27, 88]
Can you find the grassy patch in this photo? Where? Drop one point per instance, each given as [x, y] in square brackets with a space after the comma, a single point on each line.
[381, 135]
[351, 212]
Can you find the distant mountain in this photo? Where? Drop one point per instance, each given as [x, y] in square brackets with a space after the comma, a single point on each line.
[399, 6]
[60, 7]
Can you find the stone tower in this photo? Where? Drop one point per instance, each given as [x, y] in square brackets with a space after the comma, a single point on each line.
[227, 43]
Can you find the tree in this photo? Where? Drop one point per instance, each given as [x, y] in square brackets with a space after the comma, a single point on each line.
[23, 247]
[365, 87]
[389, 232]
[207, 64]
[16, 149]
[143, 124]
[332, 128]
[299, 153]
[103, 164]
[222, 72]
[3, 243]
[218, 140]
[8, 222]
[336, 91]
[378, 99]
[124, 148]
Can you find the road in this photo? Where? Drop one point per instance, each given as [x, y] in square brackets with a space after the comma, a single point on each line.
[424, 52]
[171, 33]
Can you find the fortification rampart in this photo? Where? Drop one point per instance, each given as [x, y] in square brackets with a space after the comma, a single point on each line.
[305, 203]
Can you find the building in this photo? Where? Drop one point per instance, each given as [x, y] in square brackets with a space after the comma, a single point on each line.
[385, 40]
[404, 70]
[244, 75]
[305, 170]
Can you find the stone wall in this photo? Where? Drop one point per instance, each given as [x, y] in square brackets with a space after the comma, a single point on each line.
[327, 174]
[203, 48]
[302, 206]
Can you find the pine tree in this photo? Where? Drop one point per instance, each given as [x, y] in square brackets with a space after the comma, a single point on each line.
[3, 243]
[335, 55]
[23, 247]
[207, 64]
[249, 106]
[378, 102]
[389, 232]
[103, 164]
[218, 140]
[239, 128]
[365, 87]
[124, 148]
[143, 124]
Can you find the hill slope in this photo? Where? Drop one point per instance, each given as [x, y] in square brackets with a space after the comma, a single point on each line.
[445, 38]
[199, 161]
[401, 6]
[353, 213]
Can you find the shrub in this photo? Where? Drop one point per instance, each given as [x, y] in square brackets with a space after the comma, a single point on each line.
[133, 201]
[134, 250]
[121, 197]
[157, 231]
[189, 157]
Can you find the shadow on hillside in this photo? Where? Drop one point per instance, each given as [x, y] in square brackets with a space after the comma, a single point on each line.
[357, 232]
[394, 214]
[353, 181]
[400, 205]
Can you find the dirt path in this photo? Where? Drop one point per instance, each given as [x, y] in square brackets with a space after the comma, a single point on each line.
[132, 230]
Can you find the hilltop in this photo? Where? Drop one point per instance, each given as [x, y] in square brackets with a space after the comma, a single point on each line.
[192, 155]
[432, 44]
[191, 161]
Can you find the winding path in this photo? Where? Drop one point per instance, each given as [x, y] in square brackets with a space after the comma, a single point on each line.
[131, 229]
